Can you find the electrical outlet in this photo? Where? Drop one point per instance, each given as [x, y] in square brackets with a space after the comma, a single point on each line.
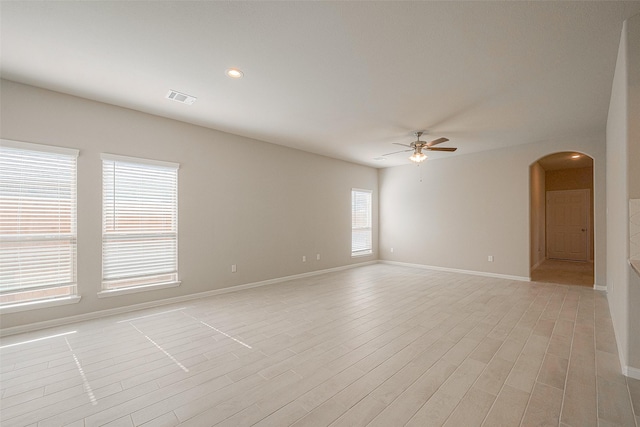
[233, 268]
[490, 258]
[304, 258]
[391, 250]
[317, 257]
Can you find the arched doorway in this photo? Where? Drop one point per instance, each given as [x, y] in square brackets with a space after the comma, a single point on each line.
[562, 219]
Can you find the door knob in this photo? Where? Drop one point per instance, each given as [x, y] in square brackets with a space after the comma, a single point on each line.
[584, 229]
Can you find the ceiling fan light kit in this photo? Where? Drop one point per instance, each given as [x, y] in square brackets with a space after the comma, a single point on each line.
[418, 157]
[417, 146]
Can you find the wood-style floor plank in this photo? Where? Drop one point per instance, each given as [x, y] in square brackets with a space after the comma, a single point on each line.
[378, 345]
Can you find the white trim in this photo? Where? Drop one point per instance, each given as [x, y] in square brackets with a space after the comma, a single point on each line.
[630, 372]
[36, 305]
[127, 159]
[109, 312]
[600, 287]
[39, 147]
[362, 190]
[456, 270]
[361, 254]
[135, 289]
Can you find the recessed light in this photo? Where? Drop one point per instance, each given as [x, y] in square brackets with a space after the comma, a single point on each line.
[234, 73]
[380, 158]
[576, 156]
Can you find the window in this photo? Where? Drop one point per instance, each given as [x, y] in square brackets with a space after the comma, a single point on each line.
[139, 223]
[360, 222]
[37, 223]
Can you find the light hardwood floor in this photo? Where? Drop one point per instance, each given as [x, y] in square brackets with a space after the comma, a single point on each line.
[378, 345]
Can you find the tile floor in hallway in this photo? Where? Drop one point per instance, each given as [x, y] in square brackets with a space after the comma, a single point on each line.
[564, 272]
[377, 345]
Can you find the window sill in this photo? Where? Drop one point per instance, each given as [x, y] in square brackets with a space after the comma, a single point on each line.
[35, 305]
[361, 254]
[135, 289]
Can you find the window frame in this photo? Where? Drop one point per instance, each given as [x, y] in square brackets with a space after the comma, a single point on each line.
[367, 251]
[70, 200]
[110, 237]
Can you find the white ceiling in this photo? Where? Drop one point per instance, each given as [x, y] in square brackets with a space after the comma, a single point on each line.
[342, 79]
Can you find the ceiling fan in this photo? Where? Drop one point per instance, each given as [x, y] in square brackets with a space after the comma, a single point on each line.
[417, 147]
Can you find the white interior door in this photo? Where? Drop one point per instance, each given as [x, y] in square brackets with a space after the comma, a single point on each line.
[568, 224]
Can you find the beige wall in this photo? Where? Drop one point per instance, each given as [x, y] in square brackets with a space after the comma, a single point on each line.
[623, 285]
[470, 206]
[633, 134]
[258, 205]
[633, 90]
[617, 218]
[574, 179]
[537, 215]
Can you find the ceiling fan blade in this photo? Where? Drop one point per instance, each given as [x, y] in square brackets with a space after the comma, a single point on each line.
[441, 148]
[396, 152]
[437, 141]
[404, 145]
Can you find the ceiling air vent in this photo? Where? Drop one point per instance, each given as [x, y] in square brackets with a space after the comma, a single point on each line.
[181, 97]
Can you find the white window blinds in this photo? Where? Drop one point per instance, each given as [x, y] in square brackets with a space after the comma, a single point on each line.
[360, 222]
[140, 222]
[37, 222]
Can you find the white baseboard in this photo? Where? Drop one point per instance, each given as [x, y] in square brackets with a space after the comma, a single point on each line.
[157, 303]
[600, 287]
[456, 270]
